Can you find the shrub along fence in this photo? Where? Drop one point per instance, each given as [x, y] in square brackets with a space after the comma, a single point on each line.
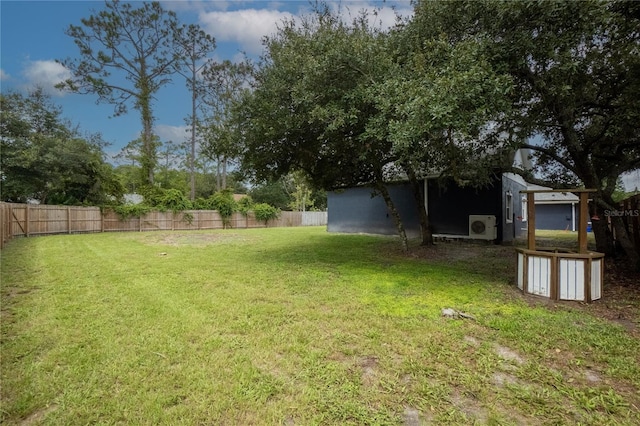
[25, 220]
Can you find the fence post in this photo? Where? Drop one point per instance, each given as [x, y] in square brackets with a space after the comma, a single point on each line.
[26, 221]
[2, 224]
[69, 220]
[10, 223]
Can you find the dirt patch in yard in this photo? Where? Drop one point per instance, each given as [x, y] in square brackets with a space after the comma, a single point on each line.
[38, 416]
[176, 239]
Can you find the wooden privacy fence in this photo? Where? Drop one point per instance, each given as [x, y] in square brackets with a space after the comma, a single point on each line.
[630, 211]
[24, 220]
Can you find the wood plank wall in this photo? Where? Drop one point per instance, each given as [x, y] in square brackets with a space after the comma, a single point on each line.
[25, 220]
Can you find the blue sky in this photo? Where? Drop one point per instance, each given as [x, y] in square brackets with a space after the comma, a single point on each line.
[32, 37]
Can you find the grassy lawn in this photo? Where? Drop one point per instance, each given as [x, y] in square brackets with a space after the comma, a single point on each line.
[294, 326]
[561, 239]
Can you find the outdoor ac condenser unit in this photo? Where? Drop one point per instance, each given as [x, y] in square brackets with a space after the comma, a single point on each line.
[482, 227]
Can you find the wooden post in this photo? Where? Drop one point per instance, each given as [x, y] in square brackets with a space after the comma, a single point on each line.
[26, 220]
[587, 279]
[525, 272]
[582, 222]
[531, 221]
[554, 279]
[2, 224]
[69, 220]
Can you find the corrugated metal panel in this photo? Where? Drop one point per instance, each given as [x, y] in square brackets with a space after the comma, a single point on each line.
[520, 271]
[596, 279]
[539, 275]
[571, 279]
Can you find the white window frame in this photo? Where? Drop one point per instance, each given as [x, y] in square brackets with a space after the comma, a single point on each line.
[508, 207]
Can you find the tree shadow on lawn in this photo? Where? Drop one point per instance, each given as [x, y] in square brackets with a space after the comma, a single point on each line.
[450, 273]
[480, 263]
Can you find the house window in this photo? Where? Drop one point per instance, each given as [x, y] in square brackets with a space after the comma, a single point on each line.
[508, 207]
[524, 208]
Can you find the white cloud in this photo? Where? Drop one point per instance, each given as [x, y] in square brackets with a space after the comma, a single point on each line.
[175, 134]
[247, 26]
[46, 74]
[380, 15]
[3, 75]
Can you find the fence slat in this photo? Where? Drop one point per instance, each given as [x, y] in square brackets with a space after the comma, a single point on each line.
[23, 220]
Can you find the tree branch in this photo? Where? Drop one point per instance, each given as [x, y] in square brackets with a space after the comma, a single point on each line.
[552, 155]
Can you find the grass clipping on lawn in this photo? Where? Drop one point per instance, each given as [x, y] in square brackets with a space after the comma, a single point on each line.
[295, 326]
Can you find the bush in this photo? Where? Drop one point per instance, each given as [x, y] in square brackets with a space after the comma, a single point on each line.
[174, 200]
[126, 211]
[244, 205]
[202, 204]
[224, 203]
[264, 212]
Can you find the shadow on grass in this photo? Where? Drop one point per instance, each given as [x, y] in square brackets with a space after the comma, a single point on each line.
[482, 262]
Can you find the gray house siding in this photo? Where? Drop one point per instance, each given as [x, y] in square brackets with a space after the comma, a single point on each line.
[354, 210]
[513, 227]
[554, 217]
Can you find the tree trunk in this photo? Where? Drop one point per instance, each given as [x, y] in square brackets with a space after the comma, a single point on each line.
[218, 183]
[604, 236]
[624, 239]
[418, 195]
[382, 189]
[148, 160]
[224, 172]
[192, 156]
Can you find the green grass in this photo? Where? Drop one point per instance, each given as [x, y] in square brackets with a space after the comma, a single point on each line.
[560, 239]
[295, 326]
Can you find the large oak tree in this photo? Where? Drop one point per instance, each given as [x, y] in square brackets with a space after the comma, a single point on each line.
[313, 108]
[576, 71]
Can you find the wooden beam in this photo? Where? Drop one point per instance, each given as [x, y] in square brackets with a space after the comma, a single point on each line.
[531, 221]
[563, 191]
[587, 280]
[582, 222]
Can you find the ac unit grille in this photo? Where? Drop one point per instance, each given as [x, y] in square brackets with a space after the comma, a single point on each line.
[482, 227]
[478, 227]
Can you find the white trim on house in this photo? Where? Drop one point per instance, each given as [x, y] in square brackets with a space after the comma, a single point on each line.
[426, 195]
[552, 197]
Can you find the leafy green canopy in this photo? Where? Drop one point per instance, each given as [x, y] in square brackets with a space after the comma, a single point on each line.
[311, 105]
[576, 71]
[441, 104]
[45, 158]
[351, 105]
